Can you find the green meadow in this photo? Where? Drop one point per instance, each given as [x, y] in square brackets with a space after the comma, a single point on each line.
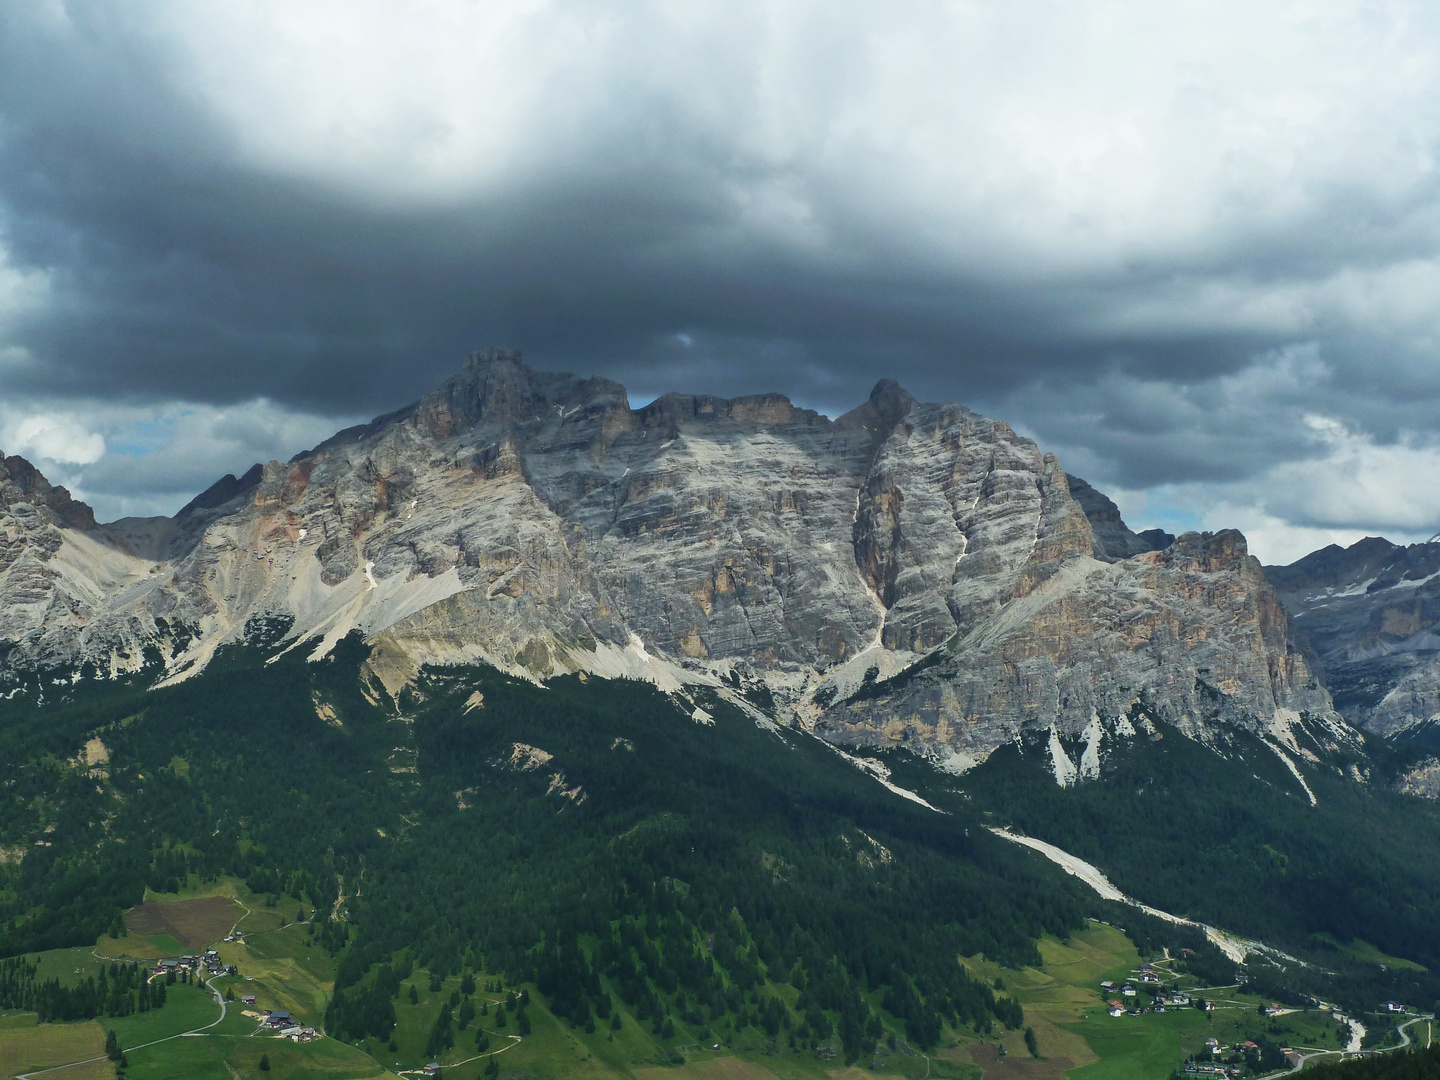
[1367, 953]
[285, 969]
[26, 1045]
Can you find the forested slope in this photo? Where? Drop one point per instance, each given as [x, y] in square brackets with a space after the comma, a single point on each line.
[557, 834]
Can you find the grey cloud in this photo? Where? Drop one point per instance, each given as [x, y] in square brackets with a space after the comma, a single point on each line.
[628, 242]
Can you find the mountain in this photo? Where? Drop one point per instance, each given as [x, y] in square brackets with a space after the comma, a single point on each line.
[909, 573]
[1371, 612]
[522, 687]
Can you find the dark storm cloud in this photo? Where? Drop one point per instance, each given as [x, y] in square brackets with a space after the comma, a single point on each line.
[179, 275]
[751, 199]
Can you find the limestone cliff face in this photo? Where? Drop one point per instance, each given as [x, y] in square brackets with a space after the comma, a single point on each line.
[1192, 635]
[909, 572]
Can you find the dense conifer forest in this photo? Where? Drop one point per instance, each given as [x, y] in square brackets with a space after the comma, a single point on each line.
[1229, 838]
[560, 835]
[592, 840]
[118, 990]
[1418, 1064]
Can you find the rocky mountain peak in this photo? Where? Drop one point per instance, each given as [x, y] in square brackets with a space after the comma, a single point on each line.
[1371, 611]
[1223, 550]
[892, 401]
[223, 490]
[889, 403]
[1113, 538]
[22, 482]
[495, 386]
[534, 521]
[671, 410]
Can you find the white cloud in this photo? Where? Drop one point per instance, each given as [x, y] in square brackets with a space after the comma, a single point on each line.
[1359, 482]
[21, 290]
[1351, 488]
[1273, 539]
[140, 460]
[54, 437]
[1088, 133]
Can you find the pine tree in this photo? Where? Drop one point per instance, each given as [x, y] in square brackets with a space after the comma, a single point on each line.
[264, 1062]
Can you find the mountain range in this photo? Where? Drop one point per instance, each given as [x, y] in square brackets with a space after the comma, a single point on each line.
[908, 574]
[721, 716]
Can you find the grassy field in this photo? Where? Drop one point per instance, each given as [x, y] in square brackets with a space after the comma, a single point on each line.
[286, 971]
[130, 948]
[166, 944]
[196, 917]
[26, 1045]
[186, 1008]
[1367, 953]
[69, 966]
[1062, 992]
[232, 1057]
[1140, 1048]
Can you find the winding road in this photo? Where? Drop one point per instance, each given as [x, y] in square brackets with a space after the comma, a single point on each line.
[1405, 1042]
[219, 1000]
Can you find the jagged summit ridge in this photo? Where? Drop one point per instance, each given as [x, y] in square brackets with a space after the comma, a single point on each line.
[536, 521]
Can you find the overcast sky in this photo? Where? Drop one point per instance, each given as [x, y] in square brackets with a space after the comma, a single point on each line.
[1194, 248]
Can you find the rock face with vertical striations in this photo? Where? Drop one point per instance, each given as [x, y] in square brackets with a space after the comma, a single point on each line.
[908, 574]
[1192, 635]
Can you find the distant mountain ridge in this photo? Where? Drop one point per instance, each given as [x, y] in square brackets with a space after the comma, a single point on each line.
[1372, 614]
[909, 574]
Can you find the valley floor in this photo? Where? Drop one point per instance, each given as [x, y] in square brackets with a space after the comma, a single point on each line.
[198, 1035]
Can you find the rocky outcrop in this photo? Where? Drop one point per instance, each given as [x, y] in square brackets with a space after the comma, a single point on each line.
[1113, 538]
[59, 574]
[908, 573]
[1372, 614]
[1421, 779]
